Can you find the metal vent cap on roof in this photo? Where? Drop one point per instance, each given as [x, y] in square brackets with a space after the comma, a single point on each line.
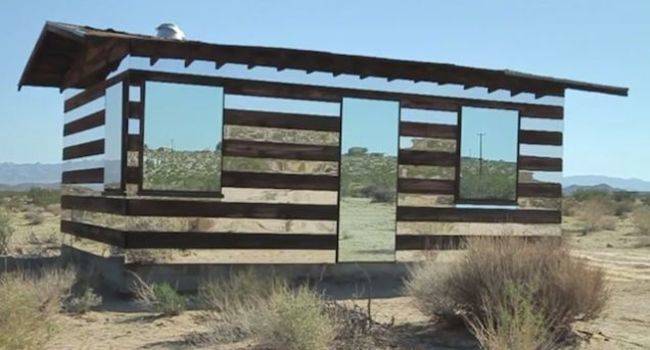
[170, 31]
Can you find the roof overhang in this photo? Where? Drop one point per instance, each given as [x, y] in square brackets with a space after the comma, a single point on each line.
[72, 56]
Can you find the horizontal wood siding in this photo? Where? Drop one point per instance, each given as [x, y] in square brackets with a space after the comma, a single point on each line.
[84, 176]
[426, 186]
[90, 121]
[442, 242]
[84, 149]
[540, 163]
[279, 181]
[412, 157]
[478, 215]
[536, 137]
[238, 148]
[281, 120]
[208, 240]
[95, 233]
[539, 189]
[439, 131]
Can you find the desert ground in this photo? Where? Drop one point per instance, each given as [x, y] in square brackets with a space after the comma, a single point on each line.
[120, 323]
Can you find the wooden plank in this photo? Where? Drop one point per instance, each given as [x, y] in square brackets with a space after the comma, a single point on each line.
[427, 186]
[279, 181]
[95, 233]
[334, 94]
[134, 143]
[132, 175]
[522, 216]
[90, 121]
[200, 208]
[212, 240]
[102, 204]
[415, 157]
[539, 189]
[536, 137]
[281, 120]
[440, 131]
[84, 149]
[91, 93]
[136, 110]
[540, 163]
[239, 148]
[84, 176]
[443, 242]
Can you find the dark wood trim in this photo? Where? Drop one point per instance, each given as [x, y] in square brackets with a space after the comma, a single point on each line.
[213, 240]
[199, 208]
[540, 163]
[84, 176]
[95, 233]
[180, 193]
[451, 242]
[334, 94]
[132, 175]
[536, 137]
[134, 143]
[279, 181]
[135, 110]
[280, 120]
[523, 216]
[84, 149]
[239, 148]
[91, 93]
[540, 189]
[103, 204]
[90, 121]
[426, 186]
[415, 157]
[439, 131]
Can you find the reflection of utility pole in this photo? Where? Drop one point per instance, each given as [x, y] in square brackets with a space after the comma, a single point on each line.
[172, 144]
[480, 160]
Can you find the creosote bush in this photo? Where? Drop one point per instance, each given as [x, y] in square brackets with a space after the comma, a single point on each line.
[34, 217]
[511, 291]
[597, 214]
[86, 301]
[28, 304]
[159, 297]
[6, 231]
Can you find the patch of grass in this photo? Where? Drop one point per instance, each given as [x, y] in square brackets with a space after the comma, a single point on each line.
[484, 288]
[28, 304]
[34, 217]
[641, 220]
[43, 197]
[6, 232]
[159, 297]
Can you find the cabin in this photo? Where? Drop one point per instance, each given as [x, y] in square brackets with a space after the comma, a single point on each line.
[247, 154]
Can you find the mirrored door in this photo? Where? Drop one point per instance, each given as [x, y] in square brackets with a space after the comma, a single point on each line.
[368, 182]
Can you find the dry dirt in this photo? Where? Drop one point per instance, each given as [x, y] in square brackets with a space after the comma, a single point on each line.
[120, 324]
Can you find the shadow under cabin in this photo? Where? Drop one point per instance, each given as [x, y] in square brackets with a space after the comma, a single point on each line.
[240, 155]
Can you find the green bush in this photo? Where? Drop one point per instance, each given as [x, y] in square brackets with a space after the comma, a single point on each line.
[6, 231]
[83, 303]
[168, 301]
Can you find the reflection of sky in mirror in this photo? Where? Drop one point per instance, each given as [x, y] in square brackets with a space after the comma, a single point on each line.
[283, 105]
[428, 116]
[371, 124]
[188, 116]
[499, 129]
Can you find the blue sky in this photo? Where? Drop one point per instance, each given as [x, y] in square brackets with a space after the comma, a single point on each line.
[599, 41]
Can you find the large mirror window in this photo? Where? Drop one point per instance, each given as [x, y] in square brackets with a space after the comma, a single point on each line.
[182, 137]
[488, 164]
[113, 137]
[369, 143]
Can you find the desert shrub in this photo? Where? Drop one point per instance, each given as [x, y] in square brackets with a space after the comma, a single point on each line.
[483, 287]
[378, 194]
[28, 304]
[6, 231]
[158, 297]
[596, 214]
[86, 301]
[641, 220]
[294, 320]
[34, 217]
[54, 208]
[582, 195]
[43, 197]
[247, 304]
[357, 151]
[569, 206]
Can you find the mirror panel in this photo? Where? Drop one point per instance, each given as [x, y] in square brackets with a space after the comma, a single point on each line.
[182, 137]
[113, 139]
[368, 183]
[488, 164]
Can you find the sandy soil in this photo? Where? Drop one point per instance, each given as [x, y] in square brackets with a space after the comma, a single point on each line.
[120, 324]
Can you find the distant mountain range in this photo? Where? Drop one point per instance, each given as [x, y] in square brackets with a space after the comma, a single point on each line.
[22, 176]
